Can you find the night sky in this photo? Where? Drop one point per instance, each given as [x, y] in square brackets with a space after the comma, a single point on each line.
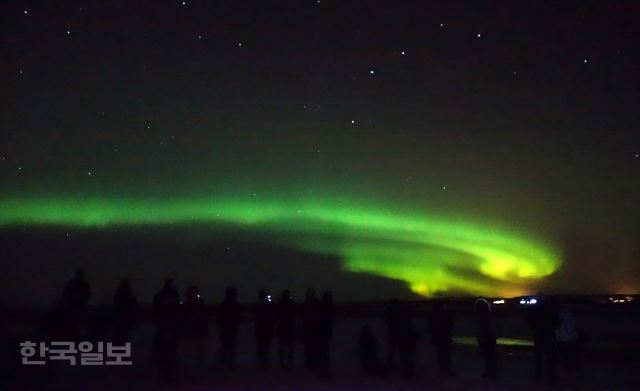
[372, 148]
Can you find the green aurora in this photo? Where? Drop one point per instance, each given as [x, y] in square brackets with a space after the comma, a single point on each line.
[431, 254]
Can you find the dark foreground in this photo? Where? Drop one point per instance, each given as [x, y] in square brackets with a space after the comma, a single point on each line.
[610, 362]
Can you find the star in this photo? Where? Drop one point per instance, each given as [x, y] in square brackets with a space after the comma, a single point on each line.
[68, 32]
[89, 173]
[402, 53]
[115, 149]
[19, 168]
[479, 35]
[441, 24]
[637, 155]
[444, 187]
[184, 3]
[239, 43]
[515, 73]
[26, 12]
[353, 121]
[371, 72]
[585, 61]
[199, 36]
[20, 71]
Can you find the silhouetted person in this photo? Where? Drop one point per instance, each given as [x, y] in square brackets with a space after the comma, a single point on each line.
[310, 330]
[167, 312]
[486, 336]
[368, 352]
[195, 326]
[77, 292]
[325, 333]
[569, 341]
[542, 319]
[75, 297]
[407, 340]
[126, 309]
[286, 329]
[229, 318]
[440, 328]
[264, 327]
[392, 319]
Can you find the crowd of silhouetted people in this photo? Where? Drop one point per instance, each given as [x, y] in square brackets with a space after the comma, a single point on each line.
[182, 327]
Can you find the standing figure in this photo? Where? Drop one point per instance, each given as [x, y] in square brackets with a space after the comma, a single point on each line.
[440, 328]
[167, 312]
[569, 341]
[407, 338]
[229, 317]
[75, 297]
[392, 317]
[195, 327]
[77, 292]
[486, 336]
[126, 309]
[263, 327]
[368, 352]
[286, 329]
[310, 329]
[542, 319]
[325, 333]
